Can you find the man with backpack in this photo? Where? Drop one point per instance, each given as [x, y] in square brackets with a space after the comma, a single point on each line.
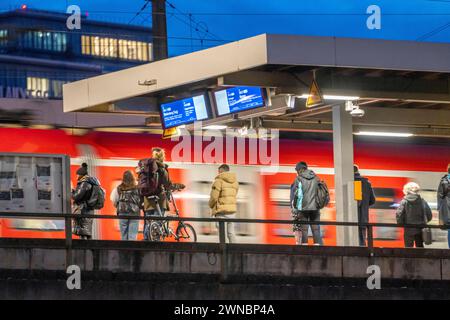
[443, 199]
[367, 200]
[87, 197]
[308, 196]
[153, 182]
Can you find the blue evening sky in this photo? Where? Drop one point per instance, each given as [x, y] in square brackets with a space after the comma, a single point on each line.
[227, 20]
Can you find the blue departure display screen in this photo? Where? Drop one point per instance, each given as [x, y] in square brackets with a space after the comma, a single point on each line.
[236, 99]
[179, 112]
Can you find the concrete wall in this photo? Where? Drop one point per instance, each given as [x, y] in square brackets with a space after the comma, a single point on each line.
[254, 271]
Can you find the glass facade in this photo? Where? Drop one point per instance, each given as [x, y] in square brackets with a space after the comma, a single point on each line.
[47, 55]
[3, 37]
[41, 40]
[116, 48]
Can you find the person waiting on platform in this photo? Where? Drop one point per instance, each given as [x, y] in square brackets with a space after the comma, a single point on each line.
[87, 196]
[163, 183]
[443, 199]
[128, 202]
[222, 200]
[413, 210]
[367, 200]
[303, 204]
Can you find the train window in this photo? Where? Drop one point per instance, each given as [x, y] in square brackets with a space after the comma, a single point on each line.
[38, 225]
[383, 211]
[385, 198]
[439, 236]
[279, 197]
[430, 196]
[243, 210]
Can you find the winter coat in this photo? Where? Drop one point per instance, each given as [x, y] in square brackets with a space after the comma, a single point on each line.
[126, 200]
[443, 200]
[224, 190]
[368, 198]
[413, 210]
[81, 194]
[309, 182]
[164, 180]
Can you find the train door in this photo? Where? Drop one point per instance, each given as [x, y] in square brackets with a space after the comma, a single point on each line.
[277, 207]
[388, 194]
[199, 180]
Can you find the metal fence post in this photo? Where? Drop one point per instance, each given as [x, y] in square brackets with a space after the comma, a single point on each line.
[68, 233]
[223, 247]
[370, 244]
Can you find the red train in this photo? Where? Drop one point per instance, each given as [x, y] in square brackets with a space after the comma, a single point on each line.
[388, 165]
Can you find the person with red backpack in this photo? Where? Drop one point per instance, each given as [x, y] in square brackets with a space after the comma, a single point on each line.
[153, 182]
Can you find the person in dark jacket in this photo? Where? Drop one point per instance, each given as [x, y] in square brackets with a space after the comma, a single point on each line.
[303, 204]
[443, 200]
[128, 202]
[413, 210]
[368, 199]
[81, 194]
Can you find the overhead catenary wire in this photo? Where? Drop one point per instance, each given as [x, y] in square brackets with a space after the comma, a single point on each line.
[140, 11]
[188, 23]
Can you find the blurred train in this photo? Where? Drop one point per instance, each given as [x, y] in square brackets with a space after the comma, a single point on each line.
[262, 196]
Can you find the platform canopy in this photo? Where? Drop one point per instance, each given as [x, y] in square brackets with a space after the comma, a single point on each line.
[399, 84]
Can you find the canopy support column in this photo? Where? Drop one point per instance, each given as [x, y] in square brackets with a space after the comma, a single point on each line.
[346, 206]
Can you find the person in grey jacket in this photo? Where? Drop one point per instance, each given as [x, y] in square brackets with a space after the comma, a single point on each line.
[303, 204]
[413, 210]
[443, 200]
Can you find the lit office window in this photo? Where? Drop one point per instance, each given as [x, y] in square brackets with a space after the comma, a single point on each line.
[49, 41]
[37, 87]
[3, 37]
[116, 48]
[56, 88]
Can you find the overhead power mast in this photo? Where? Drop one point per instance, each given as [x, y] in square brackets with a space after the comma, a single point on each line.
[159, 26]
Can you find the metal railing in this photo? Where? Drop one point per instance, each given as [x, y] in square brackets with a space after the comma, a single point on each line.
[221, 222]
[69, 217]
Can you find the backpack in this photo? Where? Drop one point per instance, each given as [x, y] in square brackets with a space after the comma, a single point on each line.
[323, 195]
[148, 177]
[97, 198]
[129, 202]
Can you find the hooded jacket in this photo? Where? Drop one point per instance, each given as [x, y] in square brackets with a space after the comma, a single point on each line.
[309, 182]
[443, 200]
[223, 194]
[82, 193]
[413, 210]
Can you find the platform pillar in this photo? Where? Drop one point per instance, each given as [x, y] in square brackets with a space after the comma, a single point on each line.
[346, 207]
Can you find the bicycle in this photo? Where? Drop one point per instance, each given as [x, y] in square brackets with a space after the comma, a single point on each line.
[160, 230]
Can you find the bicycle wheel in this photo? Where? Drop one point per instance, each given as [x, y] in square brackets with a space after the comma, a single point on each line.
[156, 232]
[186, 233]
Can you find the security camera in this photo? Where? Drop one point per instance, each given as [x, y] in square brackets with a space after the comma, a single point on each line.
[354, 109]
[357, 112]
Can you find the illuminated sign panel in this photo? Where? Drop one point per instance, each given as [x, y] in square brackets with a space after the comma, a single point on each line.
[184, 111]
[236, 99]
